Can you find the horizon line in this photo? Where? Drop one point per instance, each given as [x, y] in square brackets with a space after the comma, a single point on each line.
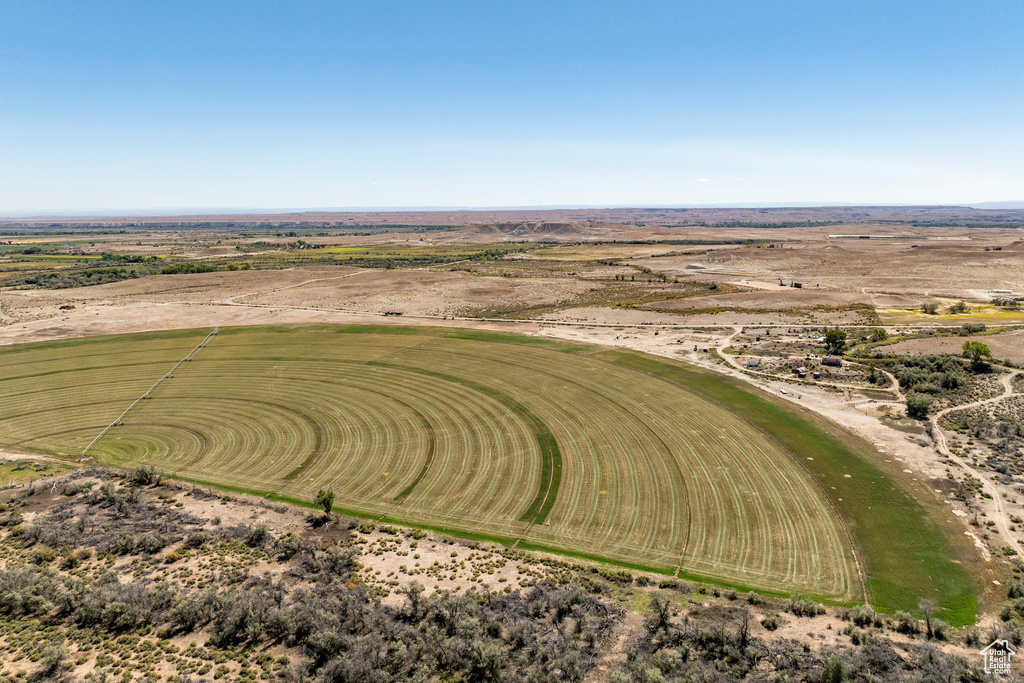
[231, 211]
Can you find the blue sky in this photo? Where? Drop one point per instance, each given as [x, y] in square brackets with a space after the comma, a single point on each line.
[166, 105]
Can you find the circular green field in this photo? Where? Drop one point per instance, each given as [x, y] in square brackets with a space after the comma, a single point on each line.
[550, 444]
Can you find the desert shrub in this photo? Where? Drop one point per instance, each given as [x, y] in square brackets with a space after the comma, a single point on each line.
[43, 555]
[145, 475]
[73, 488]
[287, 546]
[258, 536]
[620, 576]
[675, 584]
[340, 560]
[191, 612]
[120, 607]
[51, 660]
[907, 623]
[770, 623]
[864, 616]
[197, 539]
[834, 670]
[11, 519]
[29, 592]
[805, 608]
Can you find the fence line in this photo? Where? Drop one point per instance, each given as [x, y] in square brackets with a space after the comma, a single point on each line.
[169, 373]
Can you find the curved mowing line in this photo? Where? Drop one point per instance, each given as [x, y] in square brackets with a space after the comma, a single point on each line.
[89, 368]
[551, 457]
[431, 443]
[318, 440]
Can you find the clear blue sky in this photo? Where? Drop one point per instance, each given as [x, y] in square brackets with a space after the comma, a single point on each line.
[163, 105]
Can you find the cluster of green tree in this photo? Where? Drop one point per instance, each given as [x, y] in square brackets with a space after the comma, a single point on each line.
[114, 268]
[20, 230]
[188, 268]
[65, 279]
[412, 260]
[977, 352]
[926, 376]
[779, 224]
[1010, 223]
[929, 374]
[835, 341]
[107, 257]
[667, 242]
[932, 308]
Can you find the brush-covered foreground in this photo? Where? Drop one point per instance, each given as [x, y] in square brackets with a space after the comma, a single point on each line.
[106, 577]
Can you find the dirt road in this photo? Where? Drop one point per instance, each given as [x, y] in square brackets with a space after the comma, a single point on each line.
[943, 448]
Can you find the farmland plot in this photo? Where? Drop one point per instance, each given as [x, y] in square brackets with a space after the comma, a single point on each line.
[552, 446]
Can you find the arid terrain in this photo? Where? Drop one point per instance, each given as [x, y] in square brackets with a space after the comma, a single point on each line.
[748, 294]
[106, 574]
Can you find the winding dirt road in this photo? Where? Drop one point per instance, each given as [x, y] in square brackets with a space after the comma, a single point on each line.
[943, 448]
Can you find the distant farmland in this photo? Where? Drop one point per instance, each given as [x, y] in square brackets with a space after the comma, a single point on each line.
[605, 454]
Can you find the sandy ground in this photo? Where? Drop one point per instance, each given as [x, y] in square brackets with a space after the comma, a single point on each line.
[636, 316]
[776, 298]
[423, 292]
[1004, 346]
[901, 267]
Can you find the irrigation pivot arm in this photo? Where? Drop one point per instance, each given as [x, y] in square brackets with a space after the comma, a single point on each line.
[169, 373]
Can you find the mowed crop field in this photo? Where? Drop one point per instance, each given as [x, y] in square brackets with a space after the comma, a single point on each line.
[558, 446]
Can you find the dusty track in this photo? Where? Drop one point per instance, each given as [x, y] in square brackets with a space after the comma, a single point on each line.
[943, 448]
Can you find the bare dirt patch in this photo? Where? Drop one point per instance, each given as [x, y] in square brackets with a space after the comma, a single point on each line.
[1005, 345]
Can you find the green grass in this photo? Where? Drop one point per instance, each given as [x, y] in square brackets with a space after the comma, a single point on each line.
[601, 454]
[551, 458]
[907, 557]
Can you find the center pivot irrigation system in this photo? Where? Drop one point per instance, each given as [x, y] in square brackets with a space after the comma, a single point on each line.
[170, 373]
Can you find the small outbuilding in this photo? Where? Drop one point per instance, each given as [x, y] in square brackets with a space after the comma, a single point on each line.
[832, 361]
[753, 363]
